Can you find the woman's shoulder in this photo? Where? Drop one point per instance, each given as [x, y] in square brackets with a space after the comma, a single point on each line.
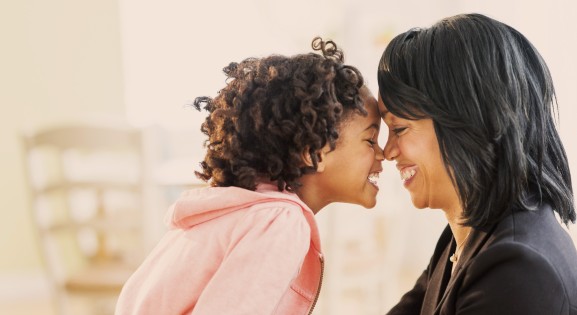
[523, 272]
[535, 231]
[528, 251]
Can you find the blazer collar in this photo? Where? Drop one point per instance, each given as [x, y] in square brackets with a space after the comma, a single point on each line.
[438, 280]
[476, 242]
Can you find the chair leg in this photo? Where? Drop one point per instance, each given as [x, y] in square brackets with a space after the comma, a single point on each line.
[61, 302]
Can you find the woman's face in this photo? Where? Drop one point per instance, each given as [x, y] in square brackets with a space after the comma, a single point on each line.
[413, 145]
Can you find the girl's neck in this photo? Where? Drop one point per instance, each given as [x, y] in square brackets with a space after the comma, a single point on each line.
[309, 193]
[310, 200]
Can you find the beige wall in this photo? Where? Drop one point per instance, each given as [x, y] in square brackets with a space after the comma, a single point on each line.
[65, 59]
[60, 60]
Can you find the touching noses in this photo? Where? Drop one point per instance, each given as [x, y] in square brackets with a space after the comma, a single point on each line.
[390, 151]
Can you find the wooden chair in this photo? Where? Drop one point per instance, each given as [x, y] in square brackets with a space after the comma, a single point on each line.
[86, 187]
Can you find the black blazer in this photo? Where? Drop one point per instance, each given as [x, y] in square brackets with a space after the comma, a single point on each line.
[525, 265]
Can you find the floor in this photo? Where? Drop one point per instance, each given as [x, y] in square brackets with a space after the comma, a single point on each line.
[44, 306]
[41, 306]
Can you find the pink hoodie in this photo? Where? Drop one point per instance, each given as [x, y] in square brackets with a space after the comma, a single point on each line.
[230, 251]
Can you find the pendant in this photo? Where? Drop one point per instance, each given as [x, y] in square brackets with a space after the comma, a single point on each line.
[453, 258]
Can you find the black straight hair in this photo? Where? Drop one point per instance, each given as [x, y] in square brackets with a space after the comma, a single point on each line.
[492, 101]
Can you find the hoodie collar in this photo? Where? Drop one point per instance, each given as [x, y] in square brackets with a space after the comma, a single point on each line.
[199, 205]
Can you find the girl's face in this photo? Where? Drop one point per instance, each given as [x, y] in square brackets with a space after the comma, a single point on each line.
[413, 145]
[349, 173]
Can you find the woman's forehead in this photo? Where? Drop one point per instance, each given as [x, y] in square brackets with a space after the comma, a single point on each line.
[382, 108]
[384, 112]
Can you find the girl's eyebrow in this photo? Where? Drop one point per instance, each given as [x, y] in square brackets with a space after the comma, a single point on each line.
[375, 126]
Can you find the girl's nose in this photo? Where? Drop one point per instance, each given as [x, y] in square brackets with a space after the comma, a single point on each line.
[379, 153]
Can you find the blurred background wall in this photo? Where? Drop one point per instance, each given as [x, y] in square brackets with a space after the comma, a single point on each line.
[60, 61]
[142, 61]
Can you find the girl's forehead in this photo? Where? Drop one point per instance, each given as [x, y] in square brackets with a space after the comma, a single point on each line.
[367, 97]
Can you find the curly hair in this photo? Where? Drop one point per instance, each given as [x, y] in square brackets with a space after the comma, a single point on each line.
[272, 110]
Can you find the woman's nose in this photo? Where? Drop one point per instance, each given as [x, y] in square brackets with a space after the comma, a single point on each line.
[390, 151]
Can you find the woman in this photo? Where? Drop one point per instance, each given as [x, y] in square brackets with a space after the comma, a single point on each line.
[469, 104]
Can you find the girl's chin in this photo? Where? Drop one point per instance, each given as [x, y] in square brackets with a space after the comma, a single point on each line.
[371, 203]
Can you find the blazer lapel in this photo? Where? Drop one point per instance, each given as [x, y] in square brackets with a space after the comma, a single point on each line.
[438, 279]
[477, 239]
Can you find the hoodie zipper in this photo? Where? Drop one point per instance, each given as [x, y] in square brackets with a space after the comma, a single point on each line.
[321, 259]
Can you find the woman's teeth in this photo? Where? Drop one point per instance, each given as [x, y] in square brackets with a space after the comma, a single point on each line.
[408, 174]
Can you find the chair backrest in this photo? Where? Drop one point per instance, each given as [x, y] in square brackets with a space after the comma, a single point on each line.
[86, 185]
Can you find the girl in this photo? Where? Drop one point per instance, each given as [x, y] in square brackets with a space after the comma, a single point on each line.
[286, 137]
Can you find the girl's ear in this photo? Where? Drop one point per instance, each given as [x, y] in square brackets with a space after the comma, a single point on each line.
[321, 156]
[322, 161]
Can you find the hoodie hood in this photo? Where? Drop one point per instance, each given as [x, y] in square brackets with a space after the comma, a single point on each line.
[196, 206]
[199, 205]
[212, 248]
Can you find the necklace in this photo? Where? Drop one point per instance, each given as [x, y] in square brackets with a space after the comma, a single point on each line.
[455, 257]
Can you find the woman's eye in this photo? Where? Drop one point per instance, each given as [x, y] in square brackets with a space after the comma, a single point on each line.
[399, 131]
[371, 142]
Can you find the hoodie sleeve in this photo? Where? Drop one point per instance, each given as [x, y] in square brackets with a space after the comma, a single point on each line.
[266, 251]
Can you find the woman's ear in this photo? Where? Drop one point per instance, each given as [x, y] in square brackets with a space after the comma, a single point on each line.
[320, 155]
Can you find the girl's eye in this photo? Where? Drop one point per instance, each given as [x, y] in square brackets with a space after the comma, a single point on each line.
[371, 142]
[399, 131]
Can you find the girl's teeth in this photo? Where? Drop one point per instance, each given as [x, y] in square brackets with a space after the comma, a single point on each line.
[373, 178]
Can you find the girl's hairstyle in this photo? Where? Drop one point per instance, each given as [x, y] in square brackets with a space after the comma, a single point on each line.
[274, 109]
[491, 98]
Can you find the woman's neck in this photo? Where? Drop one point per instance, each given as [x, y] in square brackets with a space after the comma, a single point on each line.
[455, 219]
[460, 232]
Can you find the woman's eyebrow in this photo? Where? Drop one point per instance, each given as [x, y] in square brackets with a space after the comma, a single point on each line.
[388, 119]
[383, 112]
